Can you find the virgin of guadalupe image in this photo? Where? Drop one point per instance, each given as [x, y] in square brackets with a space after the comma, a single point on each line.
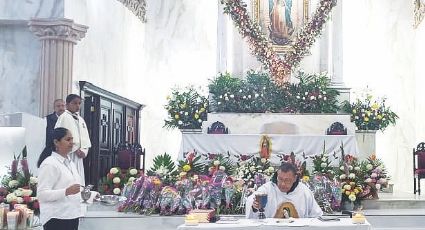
[281, 26]
[265, 147]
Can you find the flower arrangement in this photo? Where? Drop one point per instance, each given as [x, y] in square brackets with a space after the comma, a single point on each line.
[191, 165]
[300, 165]
[322, 165]
[370, 114]
[347, 173]
[375, 176]
[257, 93]
[312, 94]
[19, 186]
[248, 170]
[115, 180]
[164, 168]
[217, 162]
[187, 109]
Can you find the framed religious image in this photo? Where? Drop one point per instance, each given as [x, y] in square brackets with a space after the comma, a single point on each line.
[280, 20]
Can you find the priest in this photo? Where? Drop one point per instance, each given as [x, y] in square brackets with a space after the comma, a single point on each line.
[286, 197]
[72, 121]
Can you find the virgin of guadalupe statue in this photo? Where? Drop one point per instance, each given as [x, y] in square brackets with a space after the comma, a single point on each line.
[281, 26]
[265, 147]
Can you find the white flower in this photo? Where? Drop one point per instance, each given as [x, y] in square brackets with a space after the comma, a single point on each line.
[373, 175]
[306, 93]
[357, 168]
[382, 181]
[252, 168]
[342, 168]
[352, 197]
[324, 98]
[324, 158]
[199, 120]
[298, 97]
[117, 191]
[18, 192]
[256, 95]
[19, 200]
[33, 180]
[240, 91]
[320, 96]
[312, 97]
[220, 96]
[186, 113]
[249, 96]
[133, 172]
[232, 96]
[26, 192]
[216, 162]
[347, 187]
[116, 180]
[323, 165]
[378, 186]
[263, 160]
[226, 98]
[352, 176]
[342, 177]
[368, 180]
[131, 179]
[369, 166]
[162, 170]
[324, 92]
[113, 171]
[219, 103]
[303, 98]
[13, 183]
[271, 169]
[244, 97]
[11, 197]
[222, 168]
[350, 167]
[180, 122]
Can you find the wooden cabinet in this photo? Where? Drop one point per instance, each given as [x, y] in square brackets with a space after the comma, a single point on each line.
[112, 121]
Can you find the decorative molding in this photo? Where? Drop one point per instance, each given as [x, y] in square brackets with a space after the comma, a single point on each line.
[419, 12]
[138, 7]
[58, 29]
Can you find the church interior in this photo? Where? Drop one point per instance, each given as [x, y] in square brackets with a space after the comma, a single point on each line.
[191, 107]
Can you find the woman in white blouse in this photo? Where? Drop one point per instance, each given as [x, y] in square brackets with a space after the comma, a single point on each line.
[59, 184]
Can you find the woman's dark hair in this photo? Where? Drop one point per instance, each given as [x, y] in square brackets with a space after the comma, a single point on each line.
[71, 97]
[58, 134]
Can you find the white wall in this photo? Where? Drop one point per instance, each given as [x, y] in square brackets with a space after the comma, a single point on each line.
[384, 52]
[177, 46]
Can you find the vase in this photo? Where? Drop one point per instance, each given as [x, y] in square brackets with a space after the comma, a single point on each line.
[347, 205]
[191, 131]
[366, 141]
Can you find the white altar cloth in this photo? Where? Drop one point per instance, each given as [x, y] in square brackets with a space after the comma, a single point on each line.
[269, 224]
[281, 144]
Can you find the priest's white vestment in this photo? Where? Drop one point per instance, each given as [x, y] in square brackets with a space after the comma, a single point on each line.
[78, 128]
[301, 197]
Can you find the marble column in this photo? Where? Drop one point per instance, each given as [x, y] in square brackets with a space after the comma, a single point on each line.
[58, 37]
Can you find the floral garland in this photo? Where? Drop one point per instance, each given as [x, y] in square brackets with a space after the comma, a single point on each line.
[280, 68]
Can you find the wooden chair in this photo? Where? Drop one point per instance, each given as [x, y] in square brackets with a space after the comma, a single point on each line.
[128, 156]
[337, 128]
[217, 128]
[419, 167]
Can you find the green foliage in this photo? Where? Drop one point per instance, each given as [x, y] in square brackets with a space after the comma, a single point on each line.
[215, 161]
[191, 165]
[163, 167]
[186, 109]
[370, 114]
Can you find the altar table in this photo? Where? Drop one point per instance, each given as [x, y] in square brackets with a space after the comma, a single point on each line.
[270, 223]
[281, 144]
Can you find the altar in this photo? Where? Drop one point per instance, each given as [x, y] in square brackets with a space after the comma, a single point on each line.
[280, 144]
[270, 223]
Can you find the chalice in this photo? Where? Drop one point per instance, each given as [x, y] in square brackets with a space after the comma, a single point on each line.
[262, 202]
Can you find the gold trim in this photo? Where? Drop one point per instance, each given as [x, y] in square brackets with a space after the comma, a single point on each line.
[419, 12]
[256, 9]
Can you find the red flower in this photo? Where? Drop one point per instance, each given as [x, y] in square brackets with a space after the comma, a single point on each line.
[36, 205]
[26, 199]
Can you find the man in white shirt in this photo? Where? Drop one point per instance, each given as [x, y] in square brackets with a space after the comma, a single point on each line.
[286, 193]
[72, 121]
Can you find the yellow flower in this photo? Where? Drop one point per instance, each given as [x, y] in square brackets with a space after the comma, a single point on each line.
[183, 105]
[375, 106]
[366, 119]
[347, 193]
[202, 109]
[356, 191]
[368, 113]
[168, 97]
[186, 168]
[176, 116]
[196, 116]
[379, 116]
[354, 111]
[306, 178]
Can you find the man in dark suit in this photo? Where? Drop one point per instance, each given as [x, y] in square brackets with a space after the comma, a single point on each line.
[59, 107]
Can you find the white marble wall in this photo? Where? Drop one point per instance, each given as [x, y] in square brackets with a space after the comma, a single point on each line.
[24, 10]
[19, 69]
[384, 52]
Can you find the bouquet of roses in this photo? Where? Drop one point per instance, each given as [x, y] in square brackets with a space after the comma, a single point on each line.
[375, 176]
[347, 173]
